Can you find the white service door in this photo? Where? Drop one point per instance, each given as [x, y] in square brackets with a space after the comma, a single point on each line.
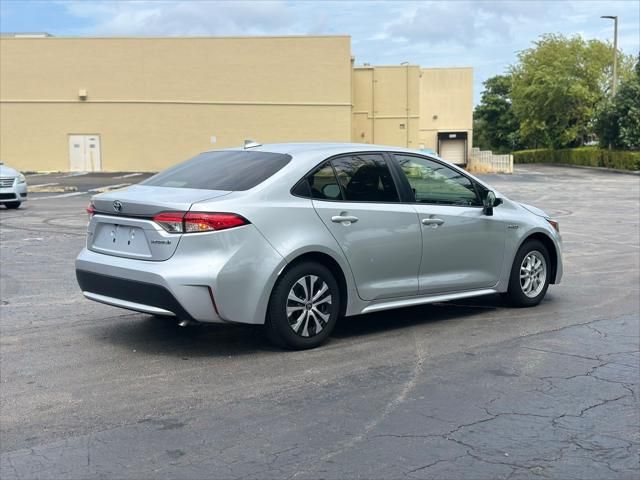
[84, 153]
[453, 151]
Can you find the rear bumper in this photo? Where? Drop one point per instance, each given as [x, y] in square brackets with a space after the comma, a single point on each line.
[130, 294]
[215, 277]
[145, 286]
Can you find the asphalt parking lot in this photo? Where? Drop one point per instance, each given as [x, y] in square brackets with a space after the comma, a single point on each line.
[468, 389]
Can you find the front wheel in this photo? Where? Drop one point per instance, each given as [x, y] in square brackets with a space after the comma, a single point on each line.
[12, 205]
[530, 274]
[304, 307]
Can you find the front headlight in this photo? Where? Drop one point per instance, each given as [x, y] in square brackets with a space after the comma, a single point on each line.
[21, 179]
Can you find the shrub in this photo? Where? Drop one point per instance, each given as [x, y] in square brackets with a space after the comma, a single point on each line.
[586, 156]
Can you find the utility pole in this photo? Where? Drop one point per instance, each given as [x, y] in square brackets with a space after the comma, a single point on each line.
[615, 52]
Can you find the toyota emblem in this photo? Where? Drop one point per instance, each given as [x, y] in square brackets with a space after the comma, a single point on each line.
[117, 206]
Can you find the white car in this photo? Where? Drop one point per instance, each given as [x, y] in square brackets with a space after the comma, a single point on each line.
[13, 187]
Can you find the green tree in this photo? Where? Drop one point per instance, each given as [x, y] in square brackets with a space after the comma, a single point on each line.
[618, 123]
[495, 125]
[558, 86]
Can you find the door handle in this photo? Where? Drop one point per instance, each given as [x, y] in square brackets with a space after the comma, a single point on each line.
[432, 221]
[345, 219]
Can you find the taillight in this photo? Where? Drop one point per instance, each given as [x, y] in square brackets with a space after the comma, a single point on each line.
[204, 222]
[91, 209]
[170, 221]
[193, 222]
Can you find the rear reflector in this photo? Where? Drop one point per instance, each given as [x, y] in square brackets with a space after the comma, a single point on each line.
[193, 222]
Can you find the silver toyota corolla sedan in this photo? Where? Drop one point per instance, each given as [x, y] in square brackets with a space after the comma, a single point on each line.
[294, 236]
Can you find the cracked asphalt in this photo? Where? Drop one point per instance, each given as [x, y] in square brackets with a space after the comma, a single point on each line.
[468, 389]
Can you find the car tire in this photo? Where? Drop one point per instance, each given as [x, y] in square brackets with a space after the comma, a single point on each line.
[13, 205]
[304, 307]
[530, 275]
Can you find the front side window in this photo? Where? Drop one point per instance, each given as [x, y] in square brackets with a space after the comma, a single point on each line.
[435, 183]
[365, 178]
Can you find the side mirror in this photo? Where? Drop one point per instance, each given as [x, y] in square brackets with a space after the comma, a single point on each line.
[489, 202]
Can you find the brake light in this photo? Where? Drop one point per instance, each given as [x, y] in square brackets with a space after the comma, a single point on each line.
[91, 209]
[193, 222]
[204, 222]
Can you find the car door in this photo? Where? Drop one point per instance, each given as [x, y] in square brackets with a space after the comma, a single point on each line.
[463, 248]
[357, 199]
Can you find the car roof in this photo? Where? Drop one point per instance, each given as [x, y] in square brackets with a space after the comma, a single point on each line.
[329, 147]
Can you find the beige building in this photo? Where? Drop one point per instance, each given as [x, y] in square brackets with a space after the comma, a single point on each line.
[142, 104]
[409, 106]
[446, 106]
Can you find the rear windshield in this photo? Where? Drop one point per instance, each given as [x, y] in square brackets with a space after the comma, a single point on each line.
[223, 170]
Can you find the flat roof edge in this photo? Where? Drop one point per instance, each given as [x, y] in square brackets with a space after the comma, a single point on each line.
[19, 36]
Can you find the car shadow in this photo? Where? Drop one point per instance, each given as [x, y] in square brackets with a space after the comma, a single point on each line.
[163, 336]
[389, 320]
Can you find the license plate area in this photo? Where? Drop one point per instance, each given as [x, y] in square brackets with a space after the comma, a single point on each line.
[124, 240]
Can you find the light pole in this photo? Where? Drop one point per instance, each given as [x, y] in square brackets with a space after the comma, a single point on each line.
[615, 52]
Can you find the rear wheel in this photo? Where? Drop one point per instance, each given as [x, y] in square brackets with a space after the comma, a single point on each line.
[304, 307]
[13, 204]
[530, 275]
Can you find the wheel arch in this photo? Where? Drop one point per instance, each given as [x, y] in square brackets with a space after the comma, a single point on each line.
[333, 266]
[551, 249]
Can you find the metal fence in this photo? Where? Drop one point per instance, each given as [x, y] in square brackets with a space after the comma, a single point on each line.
[484, 161]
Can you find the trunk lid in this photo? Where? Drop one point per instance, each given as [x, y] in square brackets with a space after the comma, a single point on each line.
[123, 225]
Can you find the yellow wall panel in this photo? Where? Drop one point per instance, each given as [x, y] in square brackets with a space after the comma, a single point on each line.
[149, 137]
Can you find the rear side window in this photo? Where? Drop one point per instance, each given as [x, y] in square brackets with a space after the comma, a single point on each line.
[224, 170]
[365, 178]
[352, 178]
[324, 185]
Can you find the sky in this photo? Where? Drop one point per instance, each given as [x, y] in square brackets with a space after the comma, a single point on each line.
[485, 35]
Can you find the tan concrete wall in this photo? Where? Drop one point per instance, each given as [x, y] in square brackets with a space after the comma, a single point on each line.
[156, 101]
[386, 105]
[446, 103]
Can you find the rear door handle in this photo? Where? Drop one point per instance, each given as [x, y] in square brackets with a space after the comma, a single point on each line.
[345, 219]
[432, 221]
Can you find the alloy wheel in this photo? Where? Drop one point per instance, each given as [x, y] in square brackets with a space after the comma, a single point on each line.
[533, 274]
[309, 306]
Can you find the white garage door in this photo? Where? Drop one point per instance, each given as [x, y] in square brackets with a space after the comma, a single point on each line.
[453, 151]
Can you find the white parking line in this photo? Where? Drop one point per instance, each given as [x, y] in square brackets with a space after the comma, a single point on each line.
[43, 185]
[129, 175]
[75, 174]
[72, 194]
[107, 188]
